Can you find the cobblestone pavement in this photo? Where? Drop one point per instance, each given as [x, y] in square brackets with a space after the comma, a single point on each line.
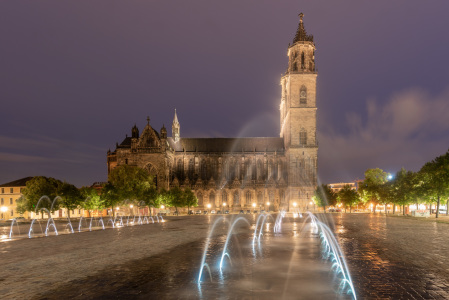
[395, 257]
[389, 258]
[30, 267]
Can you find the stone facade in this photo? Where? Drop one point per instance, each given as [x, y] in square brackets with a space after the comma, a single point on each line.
[268, 172]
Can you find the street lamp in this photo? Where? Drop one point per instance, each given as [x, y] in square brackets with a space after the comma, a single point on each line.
[4, 209]
[162, 206]
[268, 206]
[295, 204]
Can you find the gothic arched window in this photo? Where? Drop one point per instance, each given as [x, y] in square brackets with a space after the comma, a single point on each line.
[248, 198]
[203, 170]
[191, 168]
[200, 198]
[180, 169]
[212, 198]
[270, 169]
[213, 169]
[302, 61]
[303, 95]
[260, 198]
[282, 196]
[303, 137]
[247, 172]
[236, 198]
[259, 170]
[224, 197]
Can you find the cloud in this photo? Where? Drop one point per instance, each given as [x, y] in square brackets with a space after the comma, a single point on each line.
[411, 128]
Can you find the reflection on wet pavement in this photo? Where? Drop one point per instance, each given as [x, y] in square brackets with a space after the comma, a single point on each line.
[395, 258]
[389, 258]
[285, 265]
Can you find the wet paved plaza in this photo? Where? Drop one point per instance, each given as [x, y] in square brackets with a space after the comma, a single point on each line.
[389, 257]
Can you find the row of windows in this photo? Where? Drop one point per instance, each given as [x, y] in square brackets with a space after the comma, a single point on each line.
[232, 170]
[2, 201]
[11, 190]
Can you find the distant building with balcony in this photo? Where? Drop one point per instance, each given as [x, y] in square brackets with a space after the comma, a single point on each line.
[335, 187]
[9, 194]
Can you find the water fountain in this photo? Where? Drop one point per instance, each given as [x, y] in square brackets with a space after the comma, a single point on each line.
[11, 231]
[311, 229]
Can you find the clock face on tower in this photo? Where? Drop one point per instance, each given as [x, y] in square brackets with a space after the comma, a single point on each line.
[303, 94]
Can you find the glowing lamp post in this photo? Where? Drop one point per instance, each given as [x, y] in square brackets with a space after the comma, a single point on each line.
[268, 206]
[3, 209]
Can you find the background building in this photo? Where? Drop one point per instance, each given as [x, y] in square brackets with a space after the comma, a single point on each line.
[273, 172]
[9, 193]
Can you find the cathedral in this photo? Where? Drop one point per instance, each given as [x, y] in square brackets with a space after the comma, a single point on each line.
[271, 173]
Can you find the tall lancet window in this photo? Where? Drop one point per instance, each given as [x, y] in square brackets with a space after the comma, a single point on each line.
[303, 137]
[303, 95]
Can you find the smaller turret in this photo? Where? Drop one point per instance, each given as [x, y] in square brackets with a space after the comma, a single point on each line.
[135, 132]
[163, 132]
[175, 128]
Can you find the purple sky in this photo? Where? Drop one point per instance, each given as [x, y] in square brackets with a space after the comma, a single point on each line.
[76, 75]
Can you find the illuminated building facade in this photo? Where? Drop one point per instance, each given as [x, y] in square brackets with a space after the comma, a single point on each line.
[271, 172]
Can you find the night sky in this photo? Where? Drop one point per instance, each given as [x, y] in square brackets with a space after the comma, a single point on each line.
[75, 76]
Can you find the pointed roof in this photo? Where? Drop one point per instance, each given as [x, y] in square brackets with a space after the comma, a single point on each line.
[301, 34]
[175, 119]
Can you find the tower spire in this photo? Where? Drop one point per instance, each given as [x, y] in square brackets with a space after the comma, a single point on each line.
[175, 128]
[301, 34]
[175, 119]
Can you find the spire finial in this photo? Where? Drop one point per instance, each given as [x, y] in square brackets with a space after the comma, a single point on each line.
[301, 15]
[148, 120]
[175, 119]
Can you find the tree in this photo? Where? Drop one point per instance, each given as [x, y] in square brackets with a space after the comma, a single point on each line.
[35, 189]
[70, 196]
[404, 188]
[324, 195]
[21, 205]
[130, 182]
[348, 196]
[151, 197]
[386, 194]
[110, 196]
[190, 199]
[92, 199]
[371, 187]
[175, 197]
[435, 175]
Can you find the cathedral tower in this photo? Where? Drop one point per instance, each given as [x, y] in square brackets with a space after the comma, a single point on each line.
[298, 119]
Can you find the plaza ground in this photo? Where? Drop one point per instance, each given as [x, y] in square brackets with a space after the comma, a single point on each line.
[389, 257]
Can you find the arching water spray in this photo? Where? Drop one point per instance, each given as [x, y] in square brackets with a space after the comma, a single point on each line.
[206, 247]
[332, 251]
[11, 230]
[231, 228]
